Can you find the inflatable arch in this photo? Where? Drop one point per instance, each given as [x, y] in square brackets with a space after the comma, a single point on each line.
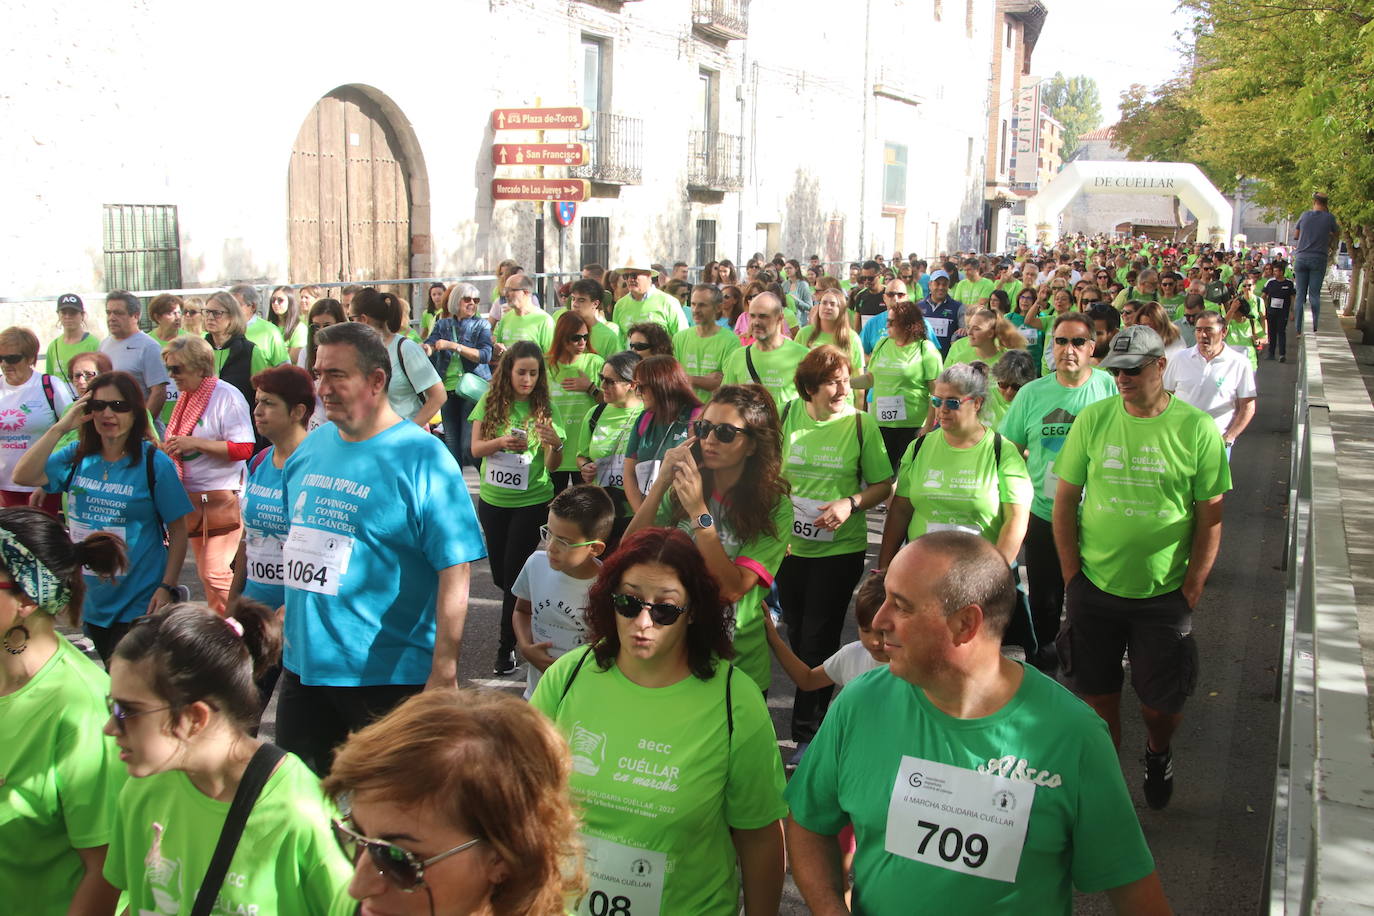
[1173, 179]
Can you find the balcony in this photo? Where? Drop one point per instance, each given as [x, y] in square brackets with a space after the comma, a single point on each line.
[724, 20]
[715, 162]
[615, 150]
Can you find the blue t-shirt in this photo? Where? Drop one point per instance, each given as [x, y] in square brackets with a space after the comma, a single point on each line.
[874, 330]
[115, 498]
[1314, 234]
[371, 524]
[264, 524]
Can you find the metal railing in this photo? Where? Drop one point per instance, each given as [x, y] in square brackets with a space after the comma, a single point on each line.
[615, 149]
[1322, 824]
[715, 162]
[724, 19]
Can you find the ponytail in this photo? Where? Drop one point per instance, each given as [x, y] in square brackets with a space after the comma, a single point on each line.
[51, 545]
[379, 306]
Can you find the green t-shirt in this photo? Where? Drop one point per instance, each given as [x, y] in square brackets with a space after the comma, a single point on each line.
[1141, 477]
[267, 338]
[906, 373]
[1082, 831]
[287, 860]
[570, 407]
[821, 338]
[61, 780]
[762, 556]
[60, 354]
[776, 369]
[961, 351]
[298, 336]
[657, 307]
[970, 292]
[427, 321]
[1013, 289]
[962, 488]
[607, 445]
[606, 337]
[661, 777]
[997, 406]
[513, 328]
[822, 461]
[509, 469]
[1039, 419]
[704, 355]
[1241, 334]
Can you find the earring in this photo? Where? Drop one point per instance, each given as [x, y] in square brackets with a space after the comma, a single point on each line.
[16, 648]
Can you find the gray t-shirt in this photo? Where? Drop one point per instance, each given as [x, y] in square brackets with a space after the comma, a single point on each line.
[140, 356]
[1314, 233]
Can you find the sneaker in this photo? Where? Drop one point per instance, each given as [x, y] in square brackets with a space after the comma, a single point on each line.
[1159, 777]
[505, 663]
[795, 760]
[1283, 359]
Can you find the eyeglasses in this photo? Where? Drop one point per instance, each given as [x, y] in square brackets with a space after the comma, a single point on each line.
[190, 312]
[13, 359]
[1075, 341]
[401, 867]
[663, 615]
[1134, 370]
[614, 380]
[85, 375]
[469, 298]
[725, 433]
[213, 313]
[574, 338]
[116, 406]
[891, 294]
[120, 714]
[549, 537]
[639, 345]
[949, 403]
[1009, 386]
[175, 369]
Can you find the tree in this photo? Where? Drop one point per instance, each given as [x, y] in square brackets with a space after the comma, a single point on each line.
[1073, 102]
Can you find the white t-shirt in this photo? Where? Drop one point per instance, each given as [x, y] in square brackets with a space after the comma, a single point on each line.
[851, 661]
[1211, 385]
[226, 419]
[411, 376]
[24, 417]
[557, 602]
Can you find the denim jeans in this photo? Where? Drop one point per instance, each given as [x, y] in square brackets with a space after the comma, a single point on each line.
[1308, 273]
[457, 429]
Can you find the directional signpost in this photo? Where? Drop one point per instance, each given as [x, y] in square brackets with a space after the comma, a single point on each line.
[574, 189]
[539, 154]
[540, 119]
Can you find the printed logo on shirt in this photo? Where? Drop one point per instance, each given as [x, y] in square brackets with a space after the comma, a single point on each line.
[1055, 424]
[588, 750]
[1111, 457]
[1013, 767]
[14, 419]
[934, 478]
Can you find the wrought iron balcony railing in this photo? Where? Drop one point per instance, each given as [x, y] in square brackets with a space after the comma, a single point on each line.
[715, 162]
[615, 150]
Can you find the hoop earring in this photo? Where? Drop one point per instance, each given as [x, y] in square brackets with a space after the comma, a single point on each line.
[16, 649]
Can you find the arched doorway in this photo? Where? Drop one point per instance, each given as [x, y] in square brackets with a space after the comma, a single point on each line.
[358, 209]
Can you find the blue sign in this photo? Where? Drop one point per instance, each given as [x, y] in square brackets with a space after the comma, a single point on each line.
[565, 211]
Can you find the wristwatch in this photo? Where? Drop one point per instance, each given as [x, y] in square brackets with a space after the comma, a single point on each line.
[171, 589]
[853, 504]
[704, 520]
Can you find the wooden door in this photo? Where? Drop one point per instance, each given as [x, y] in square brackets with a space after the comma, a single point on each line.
[349, 196]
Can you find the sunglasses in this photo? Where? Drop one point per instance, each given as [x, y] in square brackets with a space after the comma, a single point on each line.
[191, 312]
[894, 295]
[724, 432]
[12, 359]
[548, 537]
[1133, 371]
[116, 406]
[615, 380]
[1075, 341]
[401, 867]
[469, 299]
[663, 615]
[213, 313]
[638, 345]
[175, 369]
[949, 403]
[120, 714]
[1009, 386]
[574, 338]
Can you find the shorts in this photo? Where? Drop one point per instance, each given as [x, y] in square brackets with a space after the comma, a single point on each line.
[1155, 633]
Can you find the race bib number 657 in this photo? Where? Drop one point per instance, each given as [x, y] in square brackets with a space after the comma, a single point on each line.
[315, 560]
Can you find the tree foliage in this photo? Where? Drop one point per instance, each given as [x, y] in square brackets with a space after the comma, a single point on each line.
[1073, 102]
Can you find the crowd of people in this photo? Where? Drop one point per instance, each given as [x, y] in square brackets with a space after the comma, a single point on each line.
[675, 487]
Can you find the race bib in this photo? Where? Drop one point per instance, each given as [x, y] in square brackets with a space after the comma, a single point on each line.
[80, 531]
[509, 470]
[264, 555]
[938, 326]
[1031, 335]
[942, 526]
[1276, 303]
[622, 880]
[610, 471]
[315, 560]
[804, 514]
[959, 820]
[891, 409]
[646, 472]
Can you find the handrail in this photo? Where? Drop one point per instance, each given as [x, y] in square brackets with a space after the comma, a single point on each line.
[1322, 823]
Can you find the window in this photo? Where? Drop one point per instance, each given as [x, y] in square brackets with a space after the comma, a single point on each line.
[142, 247]
[596, 240]
[595, 92]
[706, 241]
[894, 175]
[706, 103]
[939, 10]
[1002, 156]
[1007, 26]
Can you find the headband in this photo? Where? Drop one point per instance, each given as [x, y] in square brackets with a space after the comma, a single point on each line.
[47, 590]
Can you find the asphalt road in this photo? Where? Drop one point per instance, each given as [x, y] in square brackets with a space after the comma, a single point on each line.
[1210, 843]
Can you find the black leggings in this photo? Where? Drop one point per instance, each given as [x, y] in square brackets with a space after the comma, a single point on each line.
[895, 440]
[512, 535]
[106, 638]
[313, 721]
[815, 593]
[1044, 579]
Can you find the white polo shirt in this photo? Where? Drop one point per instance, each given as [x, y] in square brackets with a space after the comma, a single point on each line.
[1214, 385]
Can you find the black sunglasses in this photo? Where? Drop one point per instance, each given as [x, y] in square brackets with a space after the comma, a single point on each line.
[13, 359]
[116, 406]
[401, 867]
[120, 714]
[725, 433]
[639, 345]
[663, 615]
[574, 338]
[1133, 371]
[1076, 341]
[175, 368]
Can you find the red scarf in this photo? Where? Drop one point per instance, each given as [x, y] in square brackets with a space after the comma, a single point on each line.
[187, 412]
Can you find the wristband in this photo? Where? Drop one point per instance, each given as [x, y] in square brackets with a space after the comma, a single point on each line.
[171, 589]
[853, 504]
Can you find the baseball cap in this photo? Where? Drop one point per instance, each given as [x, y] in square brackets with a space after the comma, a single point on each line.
[70, 301]
[1132, 347]
[936, 275]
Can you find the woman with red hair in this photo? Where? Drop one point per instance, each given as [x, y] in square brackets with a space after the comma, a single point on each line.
[670, 406]
[573, 368]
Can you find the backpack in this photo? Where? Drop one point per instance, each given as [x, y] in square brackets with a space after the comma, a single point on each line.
[729, 706]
